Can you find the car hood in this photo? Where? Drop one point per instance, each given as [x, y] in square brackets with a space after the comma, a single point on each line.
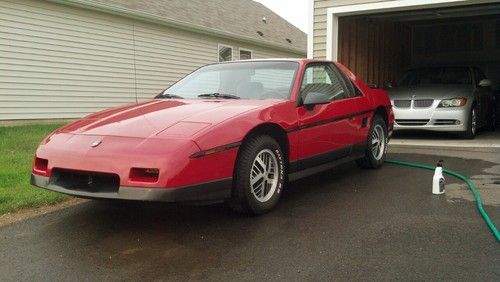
[434, 91]
[177, 118]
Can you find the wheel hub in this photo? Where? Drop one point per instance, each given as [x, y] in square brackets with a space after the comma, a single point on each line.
[264, 175]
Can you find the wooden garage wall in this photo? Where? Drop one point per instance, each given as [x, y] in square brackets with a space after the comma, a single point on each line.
[58, 61]
[375, 51]
[319, 22]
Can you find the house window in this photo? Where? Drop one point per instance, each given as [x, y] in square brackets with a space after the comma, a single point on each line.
[245, 54]
[225, 53]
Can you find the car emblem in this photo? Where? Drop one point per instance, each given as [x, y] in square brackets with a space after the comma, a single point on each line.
[413, 96]
[96, 143]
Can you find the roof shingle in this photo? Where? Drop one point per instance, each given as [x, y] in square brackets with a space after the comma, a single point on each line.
[239, 17]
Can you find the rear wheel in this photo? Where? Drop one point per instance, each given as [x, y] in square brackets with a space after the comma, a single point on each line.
[259, 176]
[492, 120]
[376, 146]
[470, 133]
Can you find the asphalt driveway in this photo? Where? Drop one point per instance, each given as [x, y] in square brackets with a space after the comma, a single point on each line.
[344, 224]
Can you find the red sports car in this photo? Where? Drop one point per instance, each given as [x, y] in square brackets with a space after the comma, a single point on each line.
[234, 132]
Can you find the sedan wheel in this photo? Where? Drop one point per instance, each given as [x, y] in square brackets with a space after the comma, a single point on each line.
[470, 133]
[259, 176]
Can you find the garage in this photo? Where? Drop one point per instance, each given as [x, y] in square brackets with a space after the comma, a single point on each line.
[379, 40]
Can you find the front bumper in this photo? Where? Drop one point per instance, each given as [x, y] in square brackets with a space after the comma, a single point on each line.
[210, 191]
[432, 118]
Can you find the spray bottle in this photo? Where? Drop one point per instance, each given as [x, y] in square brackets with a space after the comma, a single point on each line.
[438, 179]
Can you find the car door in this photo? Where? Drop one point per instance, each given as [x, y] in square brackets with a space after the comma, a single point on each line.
[326, 130]
[361, 119]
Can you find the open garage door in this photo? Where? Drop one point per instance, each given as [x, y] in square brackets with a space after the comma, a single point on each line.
[379, 47]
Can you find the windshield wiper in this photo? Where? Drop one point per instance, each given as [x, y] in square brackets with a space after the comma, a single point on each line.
[218, 95]
[168, 96]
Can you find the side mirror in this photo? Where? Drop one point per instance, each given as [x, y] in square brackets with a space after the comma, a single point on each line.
[315, 98]
[485, 83]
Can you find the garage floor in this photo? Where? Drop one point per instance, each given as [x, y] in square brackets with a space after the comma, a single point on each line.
[484, 139]
[345, 224]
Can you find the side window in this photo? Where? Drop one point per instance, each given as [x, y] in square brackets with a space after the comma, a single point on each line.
[478, 75]
[323, 79]
[352, 90]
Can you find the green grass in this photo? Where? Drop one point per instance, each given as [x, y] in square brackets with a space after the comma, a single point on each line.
[17, 148]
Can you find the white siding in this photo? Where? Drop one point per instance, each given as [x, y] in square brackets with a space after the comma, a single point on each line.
[58, 61]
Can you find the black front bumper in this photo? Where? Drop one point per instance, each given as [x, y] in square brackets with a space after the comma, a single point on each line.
[210, 191]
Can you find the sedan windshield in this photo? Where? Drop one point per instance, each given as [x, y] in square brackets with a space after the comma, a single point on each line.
[245, 80]
[443, 75]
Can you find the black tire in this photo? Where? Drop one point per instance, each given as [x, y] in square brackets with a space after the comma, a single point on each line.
[491, 123]
[373, 160]
[470, 133]
[245, 198]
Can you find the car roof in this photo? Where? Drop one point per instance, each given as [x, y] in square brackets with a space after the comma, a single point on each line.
[304, 60]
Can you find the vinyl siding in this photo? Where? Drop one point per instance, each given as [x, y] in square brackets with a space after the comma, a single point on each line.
[58, 61]
[319, 24]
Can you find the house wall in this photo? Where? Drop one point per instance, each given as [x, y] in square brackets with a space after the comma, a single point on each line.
[59, 61]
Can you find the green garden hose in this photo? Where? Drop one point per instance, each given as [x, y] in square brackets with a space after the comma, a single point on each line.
[483, 213]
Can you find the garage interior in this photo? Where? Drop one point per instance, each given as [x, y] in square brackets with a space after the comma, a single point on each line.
[379, 47]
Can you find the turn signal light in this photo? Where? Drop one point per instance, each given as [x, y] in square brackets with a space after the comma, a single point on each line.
[149, 175]
[40, 166]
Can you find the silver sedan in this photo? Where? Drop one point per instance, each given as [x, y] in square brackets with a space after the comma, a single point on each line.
[451, 99]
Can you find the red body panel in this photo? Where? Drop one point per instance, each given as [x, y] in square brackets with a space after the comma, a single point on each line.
[165, 134]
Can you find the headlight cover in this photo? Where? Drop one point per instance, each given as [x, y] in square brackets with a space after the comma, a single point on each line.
[453, 102]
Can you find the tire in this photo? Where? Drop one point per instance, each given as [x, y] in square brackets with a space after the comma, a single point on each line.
[376, 146]
[470, 133]
[491, 123]
[260, 163]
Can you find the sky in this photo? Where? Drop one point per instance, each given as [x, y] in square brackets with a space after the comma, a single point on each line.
[294, 11]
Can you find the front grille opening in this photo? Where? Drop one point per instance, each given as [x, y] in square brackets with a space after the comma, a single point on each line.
[402, 103]
[446, 122]
[425, 103]
[412, 122]
[85, 180]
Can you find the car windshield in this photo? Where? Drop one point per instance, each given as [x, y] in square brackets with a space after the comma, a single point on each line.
[245, 80]
[447, 75]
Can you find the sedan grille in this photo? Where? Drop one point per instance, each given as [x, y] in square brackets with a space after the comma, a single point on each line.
[402, 103]
[422, 103]
[412, 122]
[85, 180]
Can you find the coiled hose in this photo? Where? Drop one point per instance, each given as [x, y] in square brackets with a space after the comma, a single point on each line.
[483, 213]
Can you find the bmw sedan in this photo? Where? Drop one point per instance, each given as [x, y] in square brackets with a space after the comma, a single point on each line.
[451, 99]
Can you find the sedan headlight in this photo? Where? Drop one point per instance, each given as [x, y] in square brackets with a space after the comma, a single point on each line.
[453, 102]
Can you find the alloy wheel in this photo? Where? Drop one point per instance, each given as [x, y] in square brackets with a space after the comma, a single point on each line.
[378, 142]
[264, 175]
[473, 121]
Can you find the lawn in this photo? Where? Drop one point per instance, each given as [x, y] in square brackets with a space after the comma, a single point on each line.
[17, 147]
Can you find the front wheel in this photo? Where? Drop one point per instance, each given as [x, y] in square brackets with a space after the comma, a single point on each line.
[470, 132]
[259, 176]
[376, 146]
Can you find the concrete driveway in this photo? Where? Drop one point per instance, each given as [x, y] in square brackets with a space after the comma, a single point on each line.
[344, 224]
